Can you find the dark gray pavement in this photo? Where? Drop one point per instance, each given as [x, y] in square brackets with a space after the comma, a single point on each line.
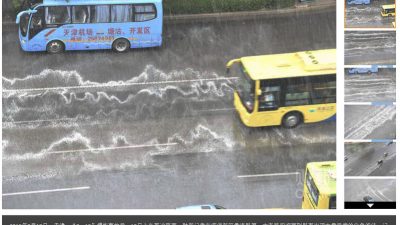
[368, 16]
[370, 48]
[363, 159]
[379, 87]
[155, 128]
[380, 190]
[370, 122]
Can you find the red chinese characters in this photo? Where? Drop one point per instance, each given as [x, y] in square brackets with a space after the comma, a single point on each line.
[139, 30]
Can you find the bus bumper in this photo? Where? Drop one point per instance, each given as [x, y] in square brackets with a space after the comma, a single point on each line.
[243, 114]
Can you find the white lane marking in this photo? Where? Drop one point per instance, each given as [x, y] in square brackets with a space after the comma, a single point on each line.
[112, 148]
[47, 191]
[215, 110]
[369, 178]
[39, 121]
[117, 85]
[269, 175]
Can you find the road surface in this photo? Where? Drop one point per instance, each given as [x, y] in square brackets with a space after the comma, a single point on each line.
[155, 128]
[370, 47]
[363, 159]
[379, 87]
[380, 190]
[368, 16]
[370, 122]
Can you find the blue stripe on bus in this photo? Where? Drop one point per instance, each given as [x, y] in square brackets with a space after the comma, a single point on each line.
[332, 118]
[382, 103]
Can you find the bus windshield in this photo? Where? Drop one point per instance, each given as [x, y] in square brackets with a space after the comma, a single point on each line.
[23, 25]
[332, 202]
[245, 88]
[391, 10]
[312, 188]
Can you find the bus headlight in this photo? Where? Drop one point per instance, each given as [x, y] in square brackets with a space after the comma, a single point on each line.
[23, 42]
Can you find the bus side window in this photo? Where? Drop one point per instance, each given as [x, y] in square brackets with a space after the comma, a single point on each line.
[297, 92]
[270, 98]
[80, 14]
[58, 15]
[323, 89]
[144, 12]
[121, 13]
[37, 24]
[100, 14]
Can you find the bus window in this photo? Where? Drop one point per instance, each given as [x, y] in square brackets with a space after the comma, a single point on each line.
[121, 13]
[80, 14]
[36, 23]
[270, 97]
[332, 202]
[24, 24]
[144, 12]
[312, 188]
[56, 15]
[100, 14]
[323, 89]
[245, 87]
[297, 92]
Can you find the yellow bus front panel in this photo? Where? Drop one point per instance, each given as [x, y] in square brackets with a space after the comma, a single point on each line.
[310, 113]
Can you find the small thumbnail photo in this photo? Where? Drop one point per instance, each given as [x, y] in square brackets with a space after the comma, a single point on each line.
[370, 122]
[370, 190]
[370, 84]
[370, 48]
[370, 159]
[370, 14]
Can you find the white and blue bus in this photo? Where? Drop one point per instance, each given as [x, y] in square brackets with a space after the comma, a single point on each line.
[58, 25]
[366, 70]
[358, 2]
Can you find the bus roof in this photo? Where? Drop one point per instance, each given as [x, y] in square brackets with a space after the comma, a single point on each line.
[391, 6]
[288, 65]
[324, 175]
[96, 2]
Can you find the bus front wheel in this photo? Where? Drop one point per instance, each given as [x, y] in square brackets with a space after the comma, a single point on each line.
[121, 45]
[55, 47]
[292, 120]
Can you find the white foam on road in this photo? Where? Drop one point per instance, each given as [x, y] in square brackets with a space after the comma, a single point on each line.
[47, 191]
[269, 175]
[116, 85]
[111, 148]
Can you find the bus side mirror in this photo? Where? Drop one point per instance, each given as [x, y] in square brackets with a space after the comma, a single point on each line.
[259, 92]
[230, 64]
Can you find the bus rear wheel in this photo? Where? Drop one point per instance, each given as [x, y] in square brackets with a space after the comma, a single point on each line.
[121, 45]
[292, 120]
[55, 47]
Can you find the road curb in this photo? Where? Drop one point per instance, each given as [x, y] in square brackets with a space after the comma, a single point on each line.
[227, 16]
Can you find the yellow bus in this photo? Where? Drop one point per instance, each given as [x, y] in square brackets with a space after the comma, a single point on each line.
[320, 186]
[285, 89]
[388, 10]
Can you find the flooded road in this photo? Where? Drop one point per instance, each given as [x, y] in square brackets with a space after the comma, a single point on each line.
[370, 122]
[380, 190]
[376, 87]
[155, 128]
[368, 16]
[370, 47]
[363, 159]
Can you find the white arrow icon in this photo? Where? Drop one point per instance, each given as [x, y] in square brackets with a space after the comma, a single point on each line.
[370, 204]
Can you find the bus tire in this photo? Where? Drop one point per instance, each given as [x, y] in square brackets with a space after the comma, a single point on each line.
[292, 120]
[121, 45]
[55, 47]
